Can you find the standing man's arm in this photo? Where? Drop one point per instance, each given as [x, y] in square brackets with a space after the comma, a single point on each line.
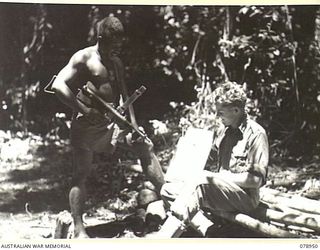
[66, 80]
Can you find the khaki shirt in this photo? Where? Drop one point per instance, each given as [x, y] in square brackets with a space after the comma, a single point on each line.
[244, 149]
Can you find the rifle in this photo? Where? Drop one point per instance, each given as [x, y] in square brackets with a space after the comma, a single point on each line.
[47, 88]
[118, 113]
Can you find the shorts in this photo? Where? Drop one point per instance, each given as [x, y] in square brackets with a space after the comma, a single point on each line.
[102, 137]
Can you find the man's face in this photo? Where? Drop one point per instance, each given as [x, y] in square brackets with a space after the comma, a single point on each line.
[112, 48]
[229, 115]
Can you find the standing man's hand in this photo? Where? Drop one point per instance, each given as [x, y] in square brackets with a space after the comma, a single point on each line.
[143, 147]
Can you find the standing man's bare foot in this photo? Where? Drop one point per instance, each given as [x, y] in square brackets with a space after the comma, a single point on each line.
[81, 235]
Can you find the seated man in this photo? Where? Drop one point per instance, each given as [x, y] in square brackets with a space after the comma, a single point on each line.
[242, 149]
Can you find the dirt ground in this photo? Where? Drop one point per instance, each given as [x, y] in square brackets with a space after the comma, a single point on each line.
[35, 175]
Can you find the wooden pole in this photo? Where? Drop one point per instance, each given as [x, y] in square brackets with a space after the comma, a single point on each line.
[296, 202]
[256, 225]
[299, 220]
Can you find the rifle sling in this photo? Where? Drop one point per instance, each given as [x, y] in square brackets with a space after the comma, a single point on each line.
[120, 79]
[137, 93]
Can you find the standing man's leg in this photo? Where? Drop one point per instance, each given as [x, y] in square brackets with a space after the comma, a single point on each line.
[149, 161]
[82, 160]
[152, 169]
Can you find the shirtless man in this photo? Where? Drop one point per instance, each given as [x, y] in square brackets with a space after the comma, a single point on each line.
[100, 68]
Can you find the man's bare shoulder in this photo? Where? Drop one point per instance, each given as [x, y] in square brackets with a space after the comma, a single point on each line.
[81, 57]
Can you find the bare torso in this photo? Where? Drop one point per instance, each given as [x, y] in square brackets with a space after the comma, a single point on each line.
[102, 75]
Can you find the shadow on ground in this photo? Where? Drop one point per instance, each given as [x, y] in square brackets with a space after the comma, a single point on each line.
[41, 182]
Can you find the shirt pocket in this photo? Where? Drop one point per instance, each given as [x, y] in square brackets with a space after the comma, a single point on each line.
[239, 162]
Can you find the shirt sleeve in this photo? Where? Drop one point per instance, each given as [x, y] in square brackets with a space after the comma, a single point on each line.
[258, 156]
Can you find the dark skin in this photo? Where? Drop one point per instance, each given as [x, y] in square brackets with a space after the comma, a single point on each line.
[96, 64]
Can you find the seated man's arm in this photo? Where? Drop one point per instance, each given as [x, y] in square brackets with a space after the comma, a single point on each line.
[258, 157]
[244, 180]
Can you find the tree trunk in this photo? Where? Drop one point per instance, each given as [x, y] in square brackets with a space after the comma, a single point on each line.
[23, 80]
[317, 27]
[294, 68]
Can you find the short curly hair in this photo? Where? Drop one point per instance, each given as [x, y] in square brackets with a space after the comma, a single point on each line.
[110, 27]
[230, 94]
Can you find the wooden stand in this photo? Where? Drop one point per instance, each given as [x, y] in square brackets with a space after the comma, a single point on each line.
[63, 223]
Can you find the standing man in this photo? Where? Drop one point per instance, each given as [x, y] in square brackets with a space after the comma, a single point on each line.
[100, 68]
[243, 154]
